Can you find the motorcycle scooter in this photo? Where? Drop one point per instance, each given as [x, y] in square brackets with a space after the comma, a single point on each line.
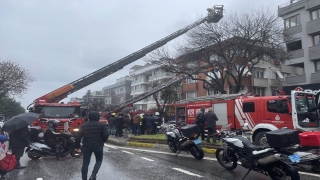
[38, 148]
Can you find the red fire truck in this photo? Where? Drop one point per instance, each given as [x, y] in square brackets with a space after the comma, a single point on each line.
[263, 114]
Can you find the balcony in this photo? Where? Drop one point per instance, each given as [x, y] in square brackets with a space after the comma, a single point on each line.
[313, 26]
[312, 4]
[291, 5]
[314, 52]
[160, 76]
[275, 82]
[141, 81]
[296, 54]
[296, 79]
[315, 77]
[293, 30]
[260, 82]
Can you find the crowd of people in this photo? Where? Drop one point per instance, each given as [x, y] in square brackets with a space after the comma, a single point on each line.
[121, 124]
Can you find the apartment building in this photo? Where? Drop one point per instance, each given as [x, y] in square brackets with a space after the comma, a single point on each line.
[263, 80]
[144, 78]
[118, 92]
[302, 19]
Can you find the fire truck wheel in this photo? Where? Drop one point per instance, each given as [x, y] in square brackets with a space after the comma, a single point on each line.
[260, 139]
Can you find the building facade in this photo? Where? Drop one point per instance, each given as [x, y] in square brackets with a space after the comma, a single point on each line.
[118, 92]
[301, 18]
[145, 78]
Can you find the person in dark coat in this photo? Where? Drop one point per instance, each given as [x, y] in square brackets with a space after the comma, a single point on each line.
[19, 139]
[119, 125]
[143, 124]
[94, 135]
[150, 123]
[200, 119]
[210, 119]
[112, 124]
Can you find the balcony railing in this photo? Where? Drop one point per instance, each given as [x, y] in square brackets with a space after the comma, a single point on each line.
[289, 3]
[296, 79]
[314, 52]
[315, 77]
[296, 53]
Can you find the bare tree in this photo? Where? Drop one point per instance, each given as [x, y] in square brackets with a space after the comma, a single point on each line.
[165, 97]
[14, 79]
[226, 51]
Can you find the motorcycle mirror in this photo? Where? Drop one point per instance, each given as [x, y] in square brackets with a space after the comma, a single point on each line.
[245, 124]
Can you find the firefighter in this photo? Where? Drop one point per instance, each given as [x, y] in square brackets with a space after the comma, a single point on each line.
[52, 138]
[112, 124]
[143, 124]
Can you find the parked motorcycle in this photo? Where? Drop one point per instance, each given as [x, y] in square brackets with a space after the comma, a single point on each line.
[185, 139]
[266, 160]
[38, 148]
[309, 157]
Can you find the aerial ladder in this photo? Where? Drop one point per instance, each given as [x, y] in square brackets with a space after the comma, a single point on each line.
[150, 92]
[214, 16]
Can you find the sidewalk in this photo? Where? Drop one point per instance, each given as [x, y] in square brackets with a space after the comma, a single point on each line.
[121, 141]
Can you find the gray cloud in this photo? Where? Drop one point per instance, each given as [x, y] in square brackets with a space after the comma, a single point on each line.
[61, 41]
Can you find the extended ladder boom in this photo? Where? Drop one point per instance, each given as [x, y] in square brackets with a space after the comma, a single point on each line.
[148, 93]
[214, 15]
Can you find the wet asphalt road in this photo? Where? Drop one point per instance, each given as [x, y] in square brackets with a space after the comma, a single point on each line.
[122, 163]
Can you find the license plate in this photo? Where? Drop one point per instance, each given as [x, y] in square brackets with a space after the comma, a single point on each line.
[197, 141]
[295, 158]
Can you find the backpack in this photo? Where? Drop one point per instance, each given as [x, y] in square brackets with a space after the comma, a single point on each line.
[8, 163]
[200, 118]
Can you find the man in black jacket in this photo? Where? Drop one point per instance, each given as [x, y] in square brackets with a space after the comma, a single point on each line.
[210, 119]
[112, 124]
[19, 139]
[94, 135]
[200, 122]
[119, 125]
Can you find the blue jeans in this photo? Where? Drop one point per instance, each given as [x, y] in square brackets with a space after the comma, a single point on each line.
[136, 129]
[87, 152]
[112, 129]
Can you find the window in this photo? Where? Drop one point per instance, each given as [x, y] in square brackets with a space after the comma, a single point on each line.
[259, 91]
[191, 94]
[316, 40]
[211, 75]
[258, 73]
[212, 92]
[191, 64]
[317, 66]
[292, 21]
[315, 14]
[248, 107]
[278, 106]
[295, 45]
[189, 80]
[214, 57]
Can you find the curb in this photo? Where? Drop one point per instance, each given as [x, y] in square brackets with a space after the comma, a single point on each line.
[154, 145]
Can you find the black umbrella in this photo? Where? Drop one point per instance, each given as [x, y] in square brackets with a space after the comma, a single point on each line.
[20, 121]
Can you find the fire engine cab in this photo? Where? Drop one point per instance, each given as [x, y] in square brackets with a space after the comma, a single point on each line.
[262, 114]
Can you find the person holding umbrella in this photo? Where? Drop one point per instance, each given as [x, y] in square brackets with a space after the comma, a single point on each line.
[17, 127]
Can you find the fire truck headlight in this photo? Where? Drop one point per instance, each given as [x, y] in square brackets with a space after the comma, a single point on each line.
[75, 129]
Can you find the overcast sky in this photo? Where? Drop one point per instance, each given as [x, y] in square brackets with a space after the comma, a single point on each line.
[62, 41]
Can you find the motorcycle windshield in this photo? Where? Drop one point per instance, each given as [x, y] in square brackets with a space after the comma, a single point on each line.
[225, 127]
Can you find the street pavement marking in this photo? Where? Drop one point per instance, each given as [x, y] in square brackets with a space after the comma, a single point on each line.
[39, 179]
[160, 152]
[113, 147]
[147, 159]
[183, 155]
[309, 174]
[128, 152]
[187, 172]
